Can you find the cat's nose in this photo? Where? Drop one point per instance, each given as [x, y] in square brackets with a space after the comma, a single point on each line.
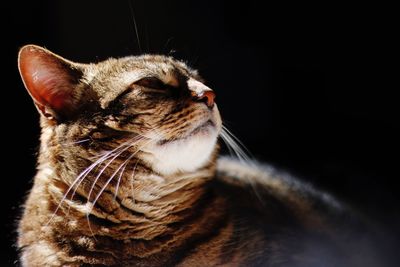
[205, 96]
[201, 93]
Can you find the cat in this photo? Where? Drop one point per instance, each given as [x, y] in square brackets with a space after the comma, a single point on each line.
[129, 175]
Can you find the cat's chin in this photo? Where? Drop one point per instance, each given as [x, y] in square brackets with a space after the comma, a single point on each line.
[202, 130]
[186, 154]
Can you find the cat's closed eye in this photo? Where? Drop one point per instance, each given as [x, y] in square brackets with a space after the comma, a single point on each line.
[152, 83]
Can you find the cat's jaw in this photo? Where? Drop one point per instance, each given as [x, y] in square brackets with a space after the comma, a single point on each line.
[187, 154]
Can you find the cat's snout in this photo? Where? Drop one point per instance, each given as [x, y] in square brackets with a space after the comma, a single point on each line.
[205, 96]
[201, 93]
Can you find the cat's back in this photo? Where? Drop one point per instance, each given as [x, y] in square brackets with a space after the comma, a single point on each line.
[265, 189]
[293, 223]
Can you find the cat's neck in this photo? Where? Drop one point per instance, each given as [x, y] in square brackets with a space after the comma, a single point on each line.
[142, 202]
[149, 214]
[142, 211]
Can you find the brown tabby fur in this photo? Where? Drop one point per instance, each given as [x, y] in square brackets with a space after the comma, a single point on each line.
[209, 216]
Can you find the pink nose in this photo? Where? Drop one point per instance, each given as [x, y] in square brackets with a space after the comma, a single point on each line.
[205, 96]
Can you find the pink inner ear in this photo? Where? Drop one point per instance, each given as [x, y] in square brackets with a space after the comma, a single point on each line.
[46, 78]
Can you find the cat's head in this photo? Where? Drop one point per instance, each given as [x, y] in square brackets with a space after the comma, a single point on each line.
[152, 105]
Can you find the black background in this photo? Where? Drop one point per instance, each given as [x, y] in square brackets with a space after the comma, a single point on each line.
[310, 88]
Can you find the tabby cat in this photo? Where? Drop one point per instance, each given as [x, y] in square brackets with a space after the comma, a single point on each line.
[128, 175]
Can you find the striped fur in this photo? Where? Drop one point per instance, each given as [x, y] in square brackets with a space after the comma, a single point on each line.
[156, 194]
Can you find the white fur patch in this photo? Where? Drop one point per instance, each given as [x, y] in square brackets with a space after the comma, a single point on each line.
[128, 78]
[197, 86]
[90, 73]
[48, 256]
[186, 155]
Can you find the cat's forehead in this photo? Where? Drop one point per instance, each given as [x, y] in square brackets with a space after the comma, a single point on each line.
[111, 77]
[145, 65]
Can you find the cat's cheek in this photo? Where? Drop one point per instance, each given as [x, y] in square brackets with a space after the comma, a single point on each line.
[182, 156]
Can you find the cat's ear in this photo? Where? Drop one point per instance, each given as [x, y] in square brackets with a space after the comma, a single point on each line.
[50, 80]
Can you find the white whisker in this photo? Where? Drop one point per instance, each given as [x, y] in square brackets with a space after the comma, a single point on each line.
[236, 146]
[106, 156]
[236, 140]
[238, 151]
[77, 182]
[113, 175]
[119, 181]
[106, 166]
[122, 166]
[83, 175]
[132, 176]
[76, 142]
